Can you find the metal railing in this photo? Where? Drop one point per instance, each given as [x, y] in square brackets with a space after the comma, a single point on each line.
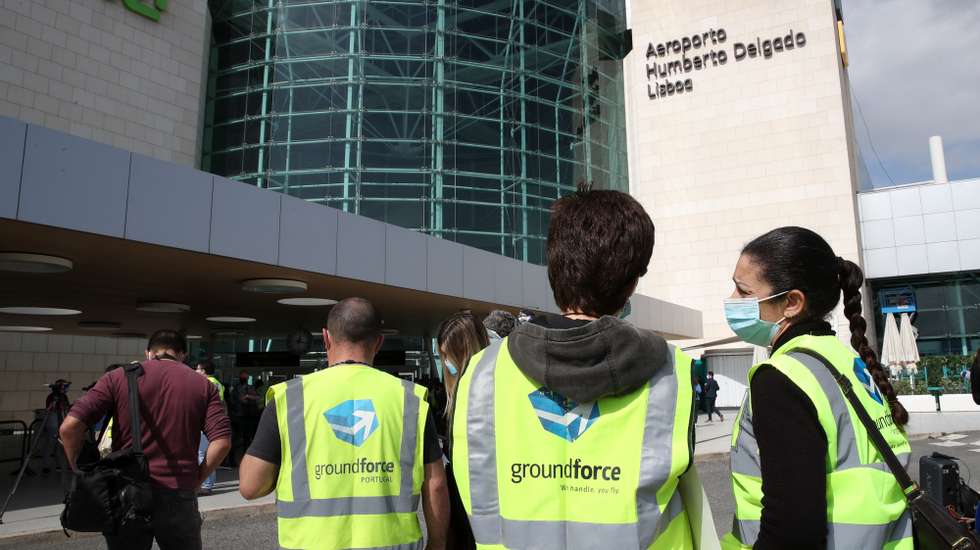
[8, 428]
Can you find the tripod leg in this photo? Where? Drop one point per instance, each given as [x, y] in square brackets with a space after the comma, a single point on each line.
[23, 468]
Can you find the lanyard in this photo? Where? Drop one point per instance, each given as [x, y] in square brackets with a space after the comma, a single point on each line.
[348, 362]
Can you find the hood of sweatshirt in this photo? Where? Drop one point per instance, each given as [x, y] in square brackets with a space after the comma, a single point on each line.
[605, 357]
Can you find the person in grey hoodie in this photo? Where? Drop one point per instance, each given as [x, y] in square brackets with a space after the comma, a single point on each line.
[572, 433]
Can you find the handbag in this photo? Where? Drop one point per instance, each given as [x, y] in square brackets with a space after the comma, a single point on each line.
[933, 527]
[113, 495]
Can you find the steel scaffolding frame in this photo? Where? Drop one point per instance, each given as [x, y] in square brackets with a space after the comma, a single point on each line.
[464, 119]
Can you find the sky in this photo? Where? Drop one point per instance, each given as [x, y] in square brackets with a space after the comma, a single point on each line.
[915, 69]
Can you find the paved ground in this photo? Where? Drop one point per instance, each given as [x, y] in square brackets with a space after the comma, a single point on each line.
[258, 531]
[964, 446]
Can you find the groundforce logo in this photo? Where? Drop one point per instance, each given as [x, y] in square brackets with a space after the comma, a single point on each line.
[574, 470]
[864, 375]
[562, 416]
[353, 421]
[358, 467]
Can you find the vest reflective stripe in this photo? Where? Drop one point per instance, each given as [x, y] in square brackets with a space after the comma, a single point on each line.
[655, 466]
[846, 444]
[327, 507]
[295, 413]
[485, 517]
[491, 528]
[409, 546]
[855, 520]
[555, 535]
[845, 536]
[745, 458]
[302, 505]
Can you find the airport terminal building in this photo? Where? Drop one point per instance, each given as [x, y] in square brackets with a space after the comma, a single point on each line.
[231, 167]
[739, 121]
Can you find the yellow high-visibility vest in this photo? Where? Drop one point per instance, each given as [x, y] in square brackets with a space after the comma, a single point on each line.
[219, 385]
[865, 505]
[351, 471]
[535, 470]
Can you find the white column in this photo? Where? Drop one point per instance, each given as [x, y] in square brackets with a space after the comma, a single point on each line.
[938, 159]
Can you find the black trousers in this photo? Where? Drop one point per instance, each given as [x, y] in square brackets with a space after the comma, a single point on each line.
[712, 409]
[237, 441]
[176, 524]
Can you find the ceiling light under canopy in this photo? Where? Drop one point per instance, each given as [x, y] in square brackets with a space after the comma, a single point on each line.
[230, 319]
[24, 310]
[163, 307]
[307, 302]
[274, 286]
[34, 263]
[8, 328]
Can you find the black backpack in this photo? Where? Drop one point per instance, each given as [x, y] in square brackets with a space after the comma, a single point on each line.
[113, 495]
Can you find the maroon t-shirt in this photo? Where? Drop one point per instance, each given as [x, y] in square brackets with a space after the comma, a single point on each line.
[176, 405]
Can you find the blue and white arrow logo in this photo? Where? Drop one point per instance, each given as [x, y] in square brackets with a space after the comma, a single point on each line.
[864, 375]
[562, 416]
[353, 421]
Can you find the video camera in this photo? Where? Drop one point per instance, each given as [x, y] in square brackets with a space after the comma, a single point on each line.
[940, 479]
[59, 386]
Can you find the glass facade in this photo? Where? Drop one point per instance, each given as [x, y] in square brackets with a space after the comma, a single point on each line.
[947, 311]
[463, 119]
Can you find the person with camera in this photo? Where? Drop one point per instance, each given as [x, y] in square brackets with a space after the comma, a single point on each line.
[55, 409]
[175, 406]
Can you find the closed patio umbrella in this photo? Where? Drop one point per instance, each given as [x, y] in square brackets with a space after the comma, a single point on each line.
[910, 350]
[892, 351]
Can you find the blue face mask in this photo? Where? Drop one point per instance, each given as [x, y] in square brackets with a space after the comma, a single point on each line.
[742, 315]
[450, 367]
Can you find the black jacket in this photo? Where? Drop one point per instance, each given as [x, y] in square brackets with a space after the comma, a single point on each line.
[711, 388]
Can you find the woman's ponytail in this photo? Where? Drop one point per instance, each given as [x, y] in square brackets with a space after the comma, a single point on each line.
[851, 281]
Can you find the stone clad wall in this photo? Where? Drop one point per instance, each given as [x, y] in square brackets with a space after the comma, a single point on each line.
[29, 361]
[754, 143]
[97, 70]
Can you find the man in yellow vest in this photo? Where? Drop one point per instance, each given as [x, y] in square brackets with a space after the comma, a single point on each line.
[572, 432]
[350, 449]
[206, 369]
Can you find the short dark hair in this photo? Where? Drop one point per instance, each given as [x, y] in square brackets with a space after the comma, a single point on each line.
[354, 320]
[166, 339]
[599, 245]
[207, 366]
[711, 373]
[500, 321]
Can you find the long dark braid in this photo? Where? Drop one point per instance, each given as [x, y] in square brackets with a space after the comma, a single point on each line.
[851, 281]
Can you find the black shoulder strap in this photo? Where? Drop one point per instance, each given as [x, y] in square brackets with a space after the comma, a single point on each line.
[874, 434]
[133, 372]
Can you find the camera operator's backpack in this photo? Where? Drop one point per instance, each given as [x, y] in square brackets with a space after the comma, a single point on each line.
[113, 495]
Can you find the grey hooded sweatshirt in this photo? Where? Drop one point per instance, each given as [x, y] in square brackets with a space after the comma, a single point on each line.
[605, 357]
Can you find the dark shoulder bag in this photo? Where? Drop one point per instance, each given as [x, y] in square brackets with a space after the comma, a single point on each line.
[113, 495]
[934, 528]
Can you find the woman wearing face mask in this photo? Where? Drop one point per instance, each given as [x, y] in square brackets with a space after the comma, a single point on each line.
[820, 482]
[460, 338]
